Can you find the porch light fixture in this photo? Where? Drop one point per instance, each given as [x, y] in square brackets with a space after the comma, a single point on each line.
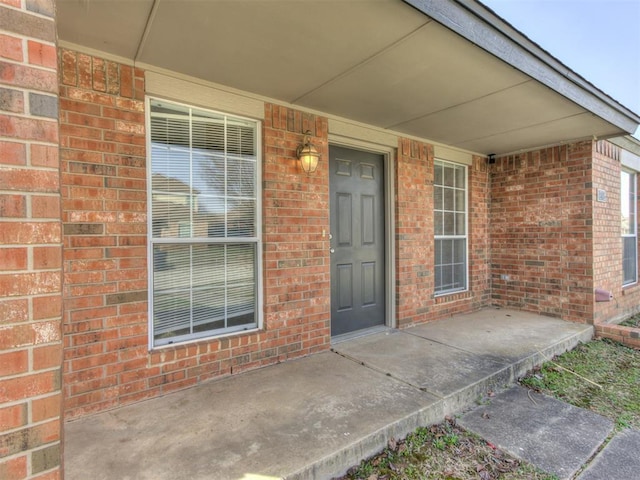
[307, 154]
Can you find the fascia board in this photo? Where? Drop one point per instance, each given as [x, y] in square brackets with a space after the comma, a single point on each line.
[478, 24]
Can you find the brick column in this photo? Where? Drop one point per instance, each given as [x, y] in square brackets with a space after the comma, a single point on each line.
[297, 286]
[414, 232]
[104, 214]
[30, 243]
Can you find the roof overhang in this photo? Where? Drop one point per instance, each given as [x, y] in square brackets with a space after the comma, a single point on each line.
[450, 72]
[631, 145]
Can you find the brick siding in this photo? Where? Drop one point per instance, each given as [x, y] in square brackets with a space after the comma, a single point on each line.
[104, 213]
[296, 255]
[30, 244]
[415, 257]
[107, 362]
[607, 242]
[529, 219]
[73, 215]
[629, 336]
[607, 250]
[541, 232]
[414, 232]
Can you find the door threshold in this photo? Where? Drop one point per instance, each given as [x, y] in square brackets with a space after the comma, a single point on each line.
[359, 333]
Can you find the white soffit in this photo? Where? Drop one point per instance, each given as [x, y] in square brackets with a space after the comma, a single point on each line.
[113, 26]
[278, 49]
[376, 62]
[533, 136]
[427, 72]
[525, 105]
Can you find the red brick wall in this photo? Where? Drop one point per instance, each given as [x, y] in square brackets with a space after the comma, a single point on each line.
[607, 242]
[415, 300]
[103, 167]
[541, 231]
[414, 232]
[479, 230]
[30, 244]
[296, 255]
[629, 336]
[107, 362]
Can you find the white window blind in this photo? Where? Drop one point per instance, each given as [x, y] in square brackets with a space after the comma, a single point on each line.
[204, 222]
[450, 227]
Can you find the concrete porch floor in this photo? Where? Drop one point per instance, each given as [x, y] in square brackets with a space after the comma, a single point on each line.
[315, 417]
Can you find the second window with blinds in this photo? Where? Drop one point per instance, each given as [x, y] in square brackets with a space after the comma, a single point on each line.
[204, 222]
[628, 182]
[450, 227]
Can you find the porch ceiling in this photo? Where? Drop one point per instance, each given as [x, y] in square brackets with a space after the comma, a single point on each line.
[381, 62]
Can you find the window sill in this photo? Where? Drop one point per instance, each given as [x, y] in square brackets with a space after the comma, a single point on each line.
[452, 297]
[202, 340]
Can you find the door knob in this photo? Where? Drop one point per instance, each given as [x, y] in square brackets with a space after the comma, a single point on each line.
[332, 250]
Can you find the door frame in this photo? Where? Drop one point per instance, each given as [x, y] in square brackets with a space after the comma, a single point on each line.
[389, 156]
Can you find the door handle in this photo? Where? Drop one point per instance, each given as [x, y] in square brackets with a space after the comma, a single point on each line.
[332, 250]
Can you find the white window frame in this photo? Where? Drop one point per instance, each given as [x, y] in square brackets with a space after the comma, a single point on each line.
[256, 240]
[633, 182]
[464, 237]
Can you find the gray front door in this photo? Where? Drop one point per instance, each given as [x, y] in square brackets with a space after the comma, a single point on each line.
[357, 243]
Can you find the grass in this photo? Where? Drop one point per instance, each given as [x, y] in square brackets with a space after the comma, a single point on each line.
[443, 452]
[602, 376]
[632, 322]
[606, 380]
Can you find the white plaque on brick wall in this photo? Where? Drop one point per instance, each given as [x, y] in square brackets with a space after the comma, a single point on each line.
[602, 195]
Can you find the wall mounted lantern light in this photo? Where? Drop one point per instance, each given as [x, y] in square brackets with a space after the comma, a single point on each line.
[307, 154]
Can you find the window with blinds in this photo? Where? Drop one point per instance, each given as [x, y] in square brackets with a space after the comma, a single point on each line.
[628, 182]
[203, 188]
[450, 227]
